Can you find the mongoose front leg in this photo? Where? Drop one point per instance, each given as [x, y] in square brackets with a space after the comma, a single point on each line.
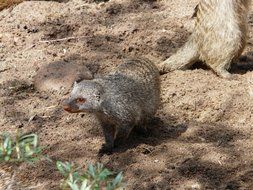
[122, 133]
[109, 134]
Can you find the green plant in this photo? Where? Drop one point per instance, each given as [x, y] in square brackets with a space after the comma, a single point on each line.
[20, 148]
[95, 178]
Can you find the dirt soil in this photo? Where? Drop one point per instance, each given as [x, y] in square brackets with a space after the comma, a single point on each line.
[206, 141]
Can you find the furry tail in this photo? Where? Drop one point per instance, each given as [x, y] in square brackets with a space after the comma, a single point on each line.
[182, 59]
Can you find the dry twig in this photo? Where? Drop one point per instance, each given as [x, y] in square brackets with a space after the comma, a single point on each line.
[62, 39]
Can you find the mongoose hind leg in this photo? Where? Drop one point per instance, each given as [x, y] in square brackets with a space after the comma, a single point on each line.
[221, 69]
[168, 66]
[144, 128]
[122, 133]
[182, 59]
[109, 134]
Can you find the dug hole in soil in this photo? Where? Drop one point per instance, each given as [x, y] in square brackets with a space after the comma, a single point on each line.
[207, 142]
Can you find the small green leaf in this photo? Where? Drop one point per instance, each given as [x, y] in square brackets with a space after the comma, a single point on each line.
[76, 175]
[91, 170]
[104, 174]
[73, 186]
[85, 185]
[7, 158]
[68, 166]
[61, 168]
[7, 143]
[118, 179]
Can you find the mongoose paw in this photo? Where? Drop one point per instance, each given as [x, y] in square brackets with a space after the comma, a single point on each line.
[234, 77]
[224, 73]
[230, 77]
[105, 149]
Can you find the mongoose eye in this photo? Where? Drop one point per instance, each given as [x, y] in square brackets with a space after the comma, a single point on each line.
[80, 100]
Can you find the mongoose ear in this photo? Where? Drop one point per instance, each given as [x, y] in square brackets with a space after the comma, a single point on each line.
[196, 10]
[79, 77]
[75, 83]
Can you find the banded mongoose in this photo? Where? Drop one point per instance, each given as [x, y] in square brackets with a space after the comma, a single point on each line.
[218, 39]
[126, 98]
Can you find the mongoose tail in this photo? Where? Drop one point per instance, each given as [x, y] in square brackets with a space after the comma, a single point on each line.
[182, 59]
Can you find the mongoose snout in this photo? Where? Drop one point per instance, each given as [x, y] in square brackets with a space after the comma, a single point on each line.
[70, 107]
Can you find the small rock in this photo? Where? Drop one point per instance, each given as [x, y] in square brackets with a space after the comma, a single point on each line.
[32, 30]
[15, 40]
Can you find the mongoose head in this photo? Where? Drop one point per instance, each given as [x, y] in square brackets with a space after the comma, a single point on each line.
[85, 97]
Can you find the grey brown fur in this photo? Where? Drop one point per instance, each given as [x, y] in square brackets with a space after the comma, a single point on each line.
[126, 98]
[218, 39]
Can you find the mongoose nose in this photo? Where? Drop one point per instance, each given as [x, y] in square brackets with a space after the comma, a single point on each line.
[65, 105]
[66, 108]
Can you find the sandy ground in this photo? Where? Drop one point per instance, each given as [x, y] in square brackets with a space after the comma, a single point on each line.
[206, 142]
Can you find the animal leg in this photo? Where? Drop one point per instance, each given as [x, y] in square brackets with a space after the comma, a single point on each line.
[109, 134]
[221, 70]
[182, 59]
[122, 133]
